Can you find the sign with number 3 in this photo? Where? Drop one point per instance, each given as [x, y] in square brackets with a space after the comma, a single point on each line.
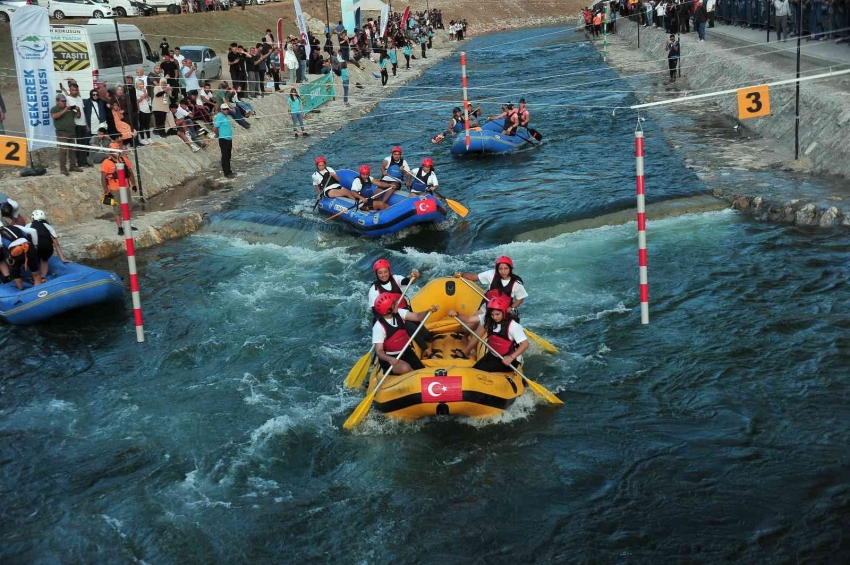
[13, 151]
[753, 102]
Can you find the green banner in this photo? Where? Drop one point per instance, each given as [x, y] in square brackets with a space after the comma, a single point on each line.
[317, 92]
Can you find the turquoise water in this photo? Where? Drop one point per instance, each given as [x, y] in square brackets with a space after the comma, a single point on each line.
[718, 432]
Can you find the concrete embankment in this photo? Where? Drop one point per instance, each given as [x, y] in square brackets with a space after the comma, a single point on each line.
[720, 64]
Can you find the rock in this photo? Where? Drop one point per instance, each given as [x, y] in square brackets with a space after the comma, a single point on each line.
[717, 192]
[830, 217]
[807, 215]
[742, 203]
[757, 202]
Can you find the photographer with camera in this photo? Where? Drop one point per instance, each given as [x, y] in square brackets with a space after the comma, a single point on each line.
[64, 118]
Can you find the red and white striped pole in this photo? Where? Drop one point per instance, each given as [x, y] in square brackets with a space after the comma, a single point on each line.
[131, 252]
[465, 97]
[641, 222]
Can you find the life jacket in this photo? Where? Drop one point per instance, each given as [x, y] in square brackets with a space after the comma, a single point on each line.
[367, 189]
[394, 288]
[110, 167]
[496, 284]
[522, 115]
[421, 179]
[500, 341]
[397, 336]
[45, 239]
[459, 125]
[394, 168]
[19, 243]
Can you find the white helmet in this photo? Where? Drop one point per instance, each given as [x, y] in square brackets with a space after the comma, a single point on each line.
[39, 215]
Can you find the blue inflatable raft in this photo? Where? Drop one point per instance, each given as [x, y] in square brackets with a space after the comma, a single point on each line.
[404, 210]
[491, 140]
[68, 286]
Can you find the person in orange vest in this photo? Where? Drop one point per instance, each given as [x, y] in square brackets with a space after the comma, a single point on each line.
[597, 24]
[109, 181]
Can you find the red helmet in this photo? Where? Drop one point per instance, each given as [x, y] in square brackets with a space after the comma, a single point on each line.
[396, 148]
[506, 260]
[427, 162]
[499, 303]
[365, 170]
[381, 264]
[385, 302]
[321, 160]
[492, 293]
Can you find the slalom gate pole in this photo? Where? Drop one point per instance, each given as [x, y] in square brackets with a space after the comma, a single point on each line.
[465, 97]
[605, 34]
[641, 222]
[131, 252]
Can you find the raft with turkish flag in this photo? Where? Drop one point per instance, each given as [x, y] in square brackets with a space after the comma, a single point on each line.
[404, 210]
[448, 385]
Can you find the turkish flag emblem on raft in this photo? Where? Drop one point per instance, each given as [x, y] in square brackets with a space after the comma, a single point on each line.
[442, 389]
[426, 206]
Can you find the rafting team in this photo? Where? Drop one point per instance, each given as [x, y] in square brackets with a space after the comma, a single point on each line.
[514, 118]
[497, 321]
[364, 188]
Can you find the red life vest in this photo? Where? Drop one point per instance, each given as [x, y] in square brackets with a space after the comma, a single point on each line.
[500, 341]
[397, 336]
[395, 290]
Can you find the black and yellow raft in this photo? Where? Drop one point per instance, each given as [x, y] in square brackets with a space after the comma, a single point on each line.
[448, 385]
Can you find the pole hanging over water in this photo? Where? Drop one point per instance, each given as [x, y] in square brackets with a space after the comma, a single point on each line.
[131, 252]
[605, 33]
[465, 97]
[641, 222]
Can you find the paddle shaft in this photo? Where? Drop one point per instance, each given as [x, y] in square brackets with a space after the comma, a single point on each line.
[487, 345]
[355, 206]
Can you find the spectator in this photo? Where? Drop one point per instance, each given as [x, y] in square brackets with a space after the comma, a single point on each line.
[344, 45]
[207, 98]
[243, 105]
[274, 67]
[171, 70]
[672, 49]
[190, 75]
[81, 130]
[701, 18]
[178, 58]
[65, 126]
[226, 93]
[224, 131]
[200, 114]
[164, 48]
[2, 115]
[290, 61]
[302, 61]
[99, 142]
[183, 116]
[161, 98]
[782, 10]
[344, 76]
[296, 111]
[118, 104]
[176, 126]
[144, 104]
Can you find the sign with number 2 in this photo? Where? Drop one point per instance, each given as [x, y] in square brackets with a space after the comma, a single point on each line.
[753, 102]
[13, 151]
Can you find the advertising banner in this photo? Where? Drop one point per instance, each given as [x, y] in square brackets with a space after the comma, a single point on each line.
[34, 66]
[317, 92]
[302, 26]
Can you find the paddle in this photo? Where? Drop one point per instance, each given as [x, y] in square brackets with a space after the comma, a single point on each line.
[536, 339]
[539, 389]
[456, 206]
[321, 191]
[360, 369]
[356, 205]
[366, 404]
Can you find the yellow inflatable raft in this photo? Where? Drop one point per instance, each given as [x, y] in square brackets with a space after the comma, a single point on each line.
[448, 385]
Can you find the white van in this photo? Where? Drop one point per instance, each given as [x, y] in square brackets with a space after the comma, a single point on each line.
[89, 53]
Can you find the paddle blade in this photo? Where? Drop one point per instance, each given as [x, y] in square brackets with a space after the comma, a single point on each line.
[544, 393]
[438, 138]
[458, 208]
[540, 342]
[361, 411]
[359, 371]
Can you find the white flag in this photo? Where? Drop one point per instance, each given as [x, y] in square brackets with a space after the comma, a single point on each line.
[34, 63]
[385, 17]
[302, 25]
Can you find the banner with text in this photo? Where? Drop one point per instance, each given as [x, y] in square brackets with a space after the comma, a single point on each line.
[302, 26]
[385, 18]
[317, 92]
[34, 64]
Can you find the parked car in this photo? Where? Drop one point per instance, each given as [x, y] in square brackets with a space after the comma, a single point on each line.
[6, 13]
[209, 63]
[121, 8]
[170, 6]
[144, 9]
[61, 9]
[18, 3]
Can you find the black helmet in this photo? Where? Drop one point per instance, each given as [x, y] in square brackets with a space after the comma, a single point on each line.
[6, 210]
[456, 110]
